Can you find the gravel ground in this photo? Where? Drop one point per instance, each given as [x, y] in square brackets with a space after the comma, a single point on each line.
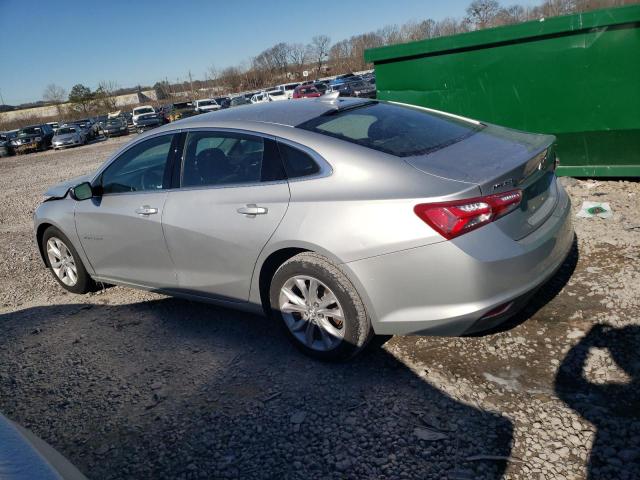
[131, 384]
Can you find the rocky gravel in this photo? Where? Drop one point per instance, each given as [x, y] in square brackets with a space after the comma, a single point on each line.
[131, 384]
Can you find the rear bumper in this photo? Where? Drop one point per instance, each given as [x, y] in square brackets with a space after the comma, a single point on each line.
[115, 133]
[448, 287]
[147, 126]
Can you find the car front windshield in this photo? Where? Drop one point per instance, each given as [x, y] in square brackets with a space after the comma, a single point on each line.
[65, 131]
[205, 103]
[114, 123]
[141, 111]
[402, 131]
[29, 131]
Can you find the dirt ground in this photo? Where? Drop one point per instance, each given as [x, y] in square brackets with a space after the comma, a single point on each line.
[130, 384]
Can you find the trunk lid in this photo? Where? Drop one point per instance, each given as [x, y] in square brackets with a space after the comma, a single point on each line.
[498, 159]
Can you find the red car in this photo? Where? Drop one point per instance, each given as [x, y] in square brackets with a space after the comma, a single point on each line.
[306, 91]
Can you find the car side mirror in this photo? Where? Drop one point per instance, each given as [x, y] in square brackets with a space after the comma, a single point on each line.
[84, 191]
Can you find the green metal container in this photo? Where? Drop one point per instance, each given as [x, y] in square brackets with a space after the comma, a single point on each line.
[577, 77]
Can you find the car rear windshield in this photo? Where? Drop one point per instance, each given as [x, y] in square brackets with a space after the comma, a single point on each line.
[402, 131]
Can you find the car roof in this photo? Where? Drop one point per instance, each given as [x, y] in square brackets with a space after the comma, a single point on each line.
[289, 113]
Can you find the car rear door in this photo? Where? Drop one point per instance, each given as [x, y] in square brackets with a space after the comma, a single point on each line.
[121, 230]
[232, 197]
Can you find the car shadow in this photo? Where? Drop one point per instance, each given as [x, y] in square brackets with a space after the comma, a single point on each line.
[174, 389]
[613, 407]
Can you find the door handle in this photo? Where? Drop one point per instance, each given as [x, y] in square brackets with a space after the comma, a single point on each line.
[251, 210]
[146, 210]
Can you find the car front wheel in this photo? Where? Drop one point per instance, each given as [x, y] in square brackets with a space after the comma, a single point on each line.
[320, 308]
[64, 262]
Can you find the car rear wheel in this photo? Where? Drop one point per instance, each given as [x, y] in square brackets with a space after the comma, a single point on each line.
[64, 262]
[320, 308]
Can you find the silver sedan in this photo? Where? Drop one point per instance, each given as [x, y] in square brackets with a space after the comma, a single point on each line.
[340, 218]
[68, 136]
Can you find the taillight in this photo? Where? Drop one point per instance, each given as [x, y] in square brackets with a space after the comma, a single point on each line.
[451, 219]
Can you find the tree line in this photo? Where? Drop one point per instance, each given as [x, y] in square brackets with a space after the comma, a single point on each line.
[288, 60]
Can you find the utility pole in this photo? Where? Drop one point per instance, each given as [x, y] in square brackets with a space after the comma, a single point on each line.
[1, 98]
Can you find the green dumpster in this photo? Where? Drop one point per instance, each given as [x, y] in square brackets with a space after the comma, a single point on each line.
[576, 76]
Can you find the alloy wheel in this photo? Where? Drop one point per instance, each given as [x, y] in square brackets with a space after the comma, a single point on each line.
[312, 313]
[62, 261]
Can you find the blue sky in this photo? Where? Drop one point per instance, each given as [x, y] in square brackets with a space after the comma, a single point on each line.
[140, 42]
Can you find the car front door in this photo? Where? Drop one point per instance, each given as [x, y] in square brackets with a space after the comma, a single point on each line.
[232, 197]
[121, 229]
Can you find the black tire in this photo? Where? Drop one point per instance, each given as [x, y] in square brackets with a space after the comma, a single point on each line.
[357, 327]
[84, 283]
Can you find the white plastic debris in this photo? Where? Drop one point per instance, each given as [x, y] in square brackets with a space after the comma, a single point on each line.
[595, 209]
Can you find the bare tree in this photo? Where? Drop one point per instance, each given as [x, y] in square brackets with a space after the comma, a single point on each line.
[390, 34]
[319, 50]
[511, 15]
[280, 55]
[55, 94]
[211, 78]
[297, 56]
[481, 12]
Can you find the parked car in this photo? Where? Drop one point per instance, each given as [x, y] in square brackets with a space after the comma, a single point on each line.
[31, 138]
[322, 87]
[84, 126]
[92, 128]
[68, 136]
[261, 97]
[239, 100]
[101, 120]
[6, 149]
[223, 101]
[356, 88]
[269, 96]
[277, 95]
[144, 110]
[181, 110]
[148, 121]
[306, 91]
[206, 105]
[114, 127]
[340, 217]
[54, 126]
[287, 89]
[128, 117]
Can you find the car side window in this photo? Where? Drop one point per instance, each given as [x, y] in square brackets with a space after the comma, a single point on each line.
[225, 158]
[296, 162]
[140, 168]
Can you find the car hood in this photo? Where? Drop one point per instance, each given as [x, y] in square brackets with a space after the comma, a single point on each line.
[26, 137]
[64, 137]
[61, 189]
